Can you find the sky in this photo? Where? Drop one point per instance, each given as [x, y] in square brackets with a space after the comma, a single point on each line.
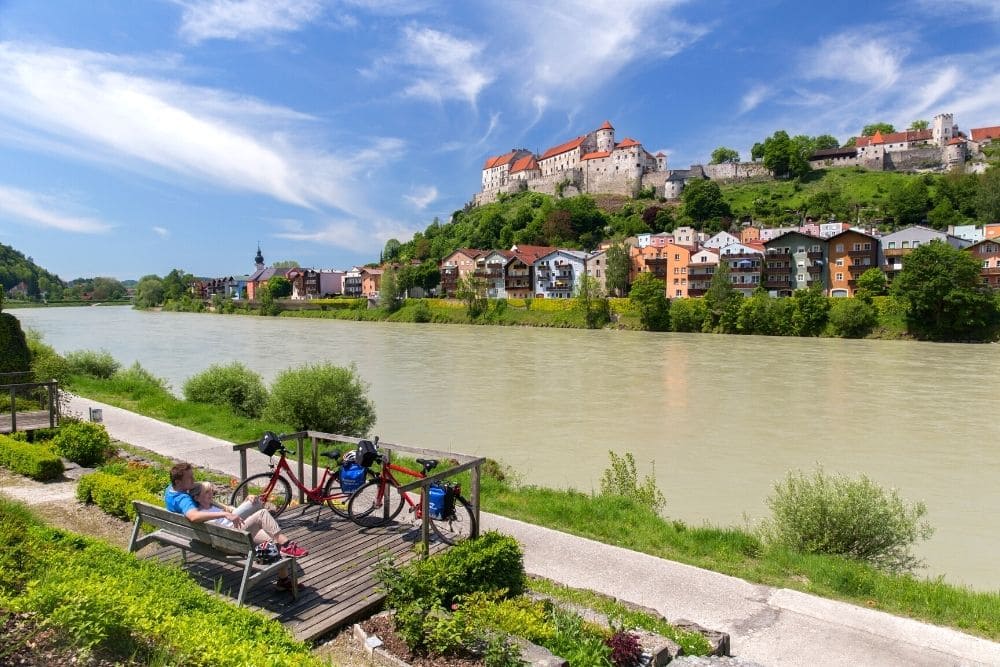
[138, 137]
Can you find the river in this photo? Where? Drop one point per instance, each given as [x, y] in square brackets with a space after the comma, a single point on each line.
[723, 417]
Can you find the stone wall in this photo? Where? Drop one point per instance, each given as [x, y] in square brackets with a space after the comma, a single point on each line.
[736, 171]
[655, 179]
[490, 196]
[549, 184]
[925, 157]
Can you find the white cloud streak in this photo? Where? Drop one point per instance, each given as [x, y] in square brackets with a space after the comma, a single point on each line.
[43, 211]
[442, 66]
[753, 97]
[162, 232]
[351, 235]
[853, 56]
[422, 197]
[244, 19]
[95, 105]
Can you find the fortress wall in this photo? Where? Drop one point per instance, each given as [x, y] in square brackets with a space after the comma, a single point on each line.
[736, 171]
[925, 157]
[548, 184]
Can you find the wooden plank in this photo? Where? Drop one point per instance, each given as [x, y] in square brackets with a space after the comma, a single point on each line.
[26, 421]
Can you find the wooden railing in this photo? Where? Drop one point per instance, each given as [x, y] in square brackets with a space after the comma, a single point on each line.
[35, 418]
[465, 462]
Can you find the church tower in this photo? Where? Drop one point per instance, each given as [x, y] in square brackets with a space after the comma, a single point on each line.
[606, 137]
[259, 259]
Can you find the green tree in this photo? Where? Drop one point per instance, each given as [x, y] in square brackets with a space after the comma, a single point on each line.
[909, 202]
[961, 190]
[687, 315]
[617, 260]
[943, 214]
[390, 291]
[15, 356]
[723, 154]
[853, 318]
[472, 291]
[268, 306]
[884, 128]
[811, 308]
[648, 296]
[988, 199]
[919, 125]
[778, 154]
[703, 201]
[871, 283]
[176, 284]
[592, 302]
[722, 302]
[149, 292]
[824, 142]
[279, 287]
[286, 264]
[322, 397]
[945, 296]
[757, 152]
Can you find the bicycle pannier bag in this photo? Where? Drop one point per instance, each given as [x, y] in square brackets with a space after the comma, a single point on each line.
[269, 444]
[352, 476]
[366, 454]
[436, 498]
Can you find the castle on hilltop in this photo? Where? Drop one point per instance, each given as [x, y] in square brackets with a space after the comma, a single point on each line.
[592, 163]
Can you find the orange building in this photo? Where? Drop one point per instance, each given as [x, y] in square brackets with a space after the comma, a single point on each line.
[750, 234]
[851, 253]
[678, 260]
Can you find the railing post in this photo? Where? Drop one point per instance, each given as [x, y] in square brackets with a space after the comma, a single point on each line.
[52, 402]
[302, 468]
[474, 492]
[315, 461]
[13, 410]
[243, 465]
[425, 519]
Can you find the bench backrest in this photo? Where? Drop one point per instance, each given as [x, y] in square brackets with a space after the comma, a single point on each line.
[231, 540]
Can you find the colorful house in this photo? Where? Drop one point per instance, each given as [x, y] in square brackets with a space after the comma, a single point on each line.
[794, 261]
[850, 253]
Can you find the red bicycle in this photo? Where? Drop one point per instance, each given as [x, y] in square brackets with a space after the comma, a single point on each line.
[452, 518]
[275, 490]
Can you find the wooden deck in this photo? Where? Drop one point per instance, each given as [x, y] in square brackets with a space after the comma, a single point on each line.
[26, 421]
[337, 579]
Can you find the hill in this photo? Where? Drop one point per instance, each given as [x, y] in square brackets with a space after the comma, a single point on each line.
[15, 269]
[886, 199]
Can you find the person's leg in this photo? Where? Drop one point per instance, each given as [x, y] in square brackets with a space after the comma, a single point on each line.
[261, 521]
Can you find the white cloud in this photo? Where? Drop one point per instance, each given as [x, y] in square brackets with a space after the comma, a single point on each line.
[244, 19]
[43, 211]
[162, 232]
[853, 56]
[422, 197]
[961, 11]
[352, 235]
[96, 106]
[754, 97]
[442, 66]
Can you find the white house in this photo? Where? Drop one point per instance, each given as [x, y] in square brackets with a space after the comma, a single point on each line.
[557, 273]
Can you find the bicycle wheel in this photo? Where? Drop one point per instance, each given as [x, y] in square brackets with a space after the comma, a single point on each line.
[459, 526]
[335, 497]
[367, 505]
[276, 501]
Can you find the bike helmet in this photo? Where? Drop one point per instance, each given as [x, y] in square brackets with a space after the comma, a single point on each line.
[350, 457]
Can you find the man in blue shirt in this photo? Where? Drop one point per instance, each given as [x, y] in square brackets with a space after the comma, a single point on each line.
[177, 498]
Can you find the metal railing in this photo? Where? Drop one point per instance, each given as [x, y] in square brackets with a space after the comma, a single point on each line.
[465, 462]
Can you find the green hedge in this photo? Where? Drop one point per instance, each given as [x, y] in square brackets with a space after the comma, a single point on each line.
[138, 610]
[37, 461]
[114, 494]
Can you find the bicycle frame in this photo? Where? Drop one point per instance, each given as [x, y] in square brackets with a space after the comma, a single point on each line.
[314, 494]
[387, 478]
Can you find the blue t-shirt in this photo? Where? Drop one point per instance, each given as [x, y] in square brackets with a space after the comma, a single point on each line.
[178, 501]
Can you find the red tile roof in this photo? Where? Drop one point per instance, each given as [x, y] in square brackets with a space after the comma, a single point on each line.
[984, 133]
[529, 253]
[661, 154]
[595, 154]
[894, 137]
[563, 148]
[956, 140]
[606, 126]
[626, 142]
[527, 163]
[499, 160]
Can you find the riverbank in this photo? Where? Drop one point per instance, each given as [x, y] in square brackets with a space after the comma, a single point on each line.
[729, 550]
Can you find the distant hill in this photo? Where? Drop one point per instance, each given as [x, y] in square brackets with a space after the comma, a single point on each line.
[16, 268]
[886, 198]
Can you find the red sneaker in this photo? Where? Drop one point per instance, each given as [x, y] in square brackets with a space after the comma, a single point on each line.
[293, 550]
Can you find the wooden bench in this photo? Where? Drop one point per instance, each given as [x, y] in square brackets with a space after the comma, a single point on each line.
[229, 545]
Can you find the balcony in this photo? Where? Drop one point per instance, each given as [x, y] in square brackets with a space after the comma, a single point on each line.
[990, 271]
[742, 255]
[517, 284]
[896, 252]
[697, 291]
[815, 268]
[861, 253]
[777, 284]
[776, 270]
[745, 269]
[489, 274]
[815, 254]
[555, 287]
[860, 268]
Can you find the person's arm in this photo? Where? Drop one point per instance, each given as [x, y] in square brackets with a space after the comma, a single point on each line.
[195, 515]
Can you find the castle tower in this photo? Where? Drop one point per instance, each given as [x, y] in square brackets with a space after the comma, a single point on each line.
[259, 259]
[944, 128]
[605, 137]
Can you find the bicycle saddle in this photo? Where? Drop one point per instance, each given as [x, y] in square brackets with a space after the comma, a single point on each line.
[428, 463]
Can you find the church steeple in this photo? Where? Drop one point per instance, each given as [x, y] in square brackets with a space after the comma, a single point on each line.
[259, 259]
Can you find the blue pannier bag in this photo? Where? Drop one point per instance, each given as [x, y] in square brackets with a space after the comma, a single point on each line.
[436, 498]
[352, 476]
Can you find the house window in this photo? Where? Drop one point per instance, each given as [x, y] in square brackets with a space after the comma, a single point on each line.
[892, 244]
[868, 246]
[840, 247]
[801, 277]
[840, 261]
[815, 248]
[905, 244]
[840, 276]
[857, 246]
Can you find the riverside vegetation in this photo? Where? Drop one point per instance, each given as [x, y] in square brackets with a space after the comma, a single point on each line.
[797, 551]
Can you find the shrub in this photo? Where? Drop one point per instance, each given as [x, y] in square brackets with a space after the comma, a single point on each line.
[46, 363]
[83, 442]
[233, 385]
[422, 312]
[114, 494]
[93, 364]
[137, 382]
[832, 514]
[622, 479]
[322, 397]
[14, 354]
[687, 314]
[852, 318]
[34, 461]
[625, 649]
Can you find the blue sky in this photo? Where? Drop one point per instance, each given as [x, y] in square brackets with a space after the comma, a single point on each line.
[141, 136]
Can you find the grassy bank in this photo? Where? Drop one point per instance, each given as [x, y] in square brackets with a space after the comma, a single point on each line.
[619, 521]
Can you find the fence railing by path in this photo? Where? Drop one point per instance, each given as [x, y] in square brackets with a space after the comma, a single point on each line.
[44, 395]
[465, 462]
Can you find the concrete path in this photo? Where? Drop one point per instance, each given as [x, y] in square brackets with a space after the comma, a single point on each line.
[771, 626]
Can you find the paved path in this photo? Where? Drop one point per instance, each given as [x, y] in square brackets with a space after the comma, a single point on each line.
[771, 626]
